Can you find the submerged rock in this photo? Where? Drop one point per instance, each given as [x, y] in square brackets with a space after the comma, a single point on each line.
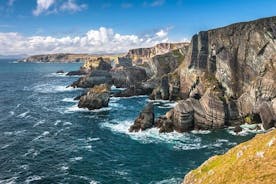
[60, 71]
[145, 119]
[96, 98]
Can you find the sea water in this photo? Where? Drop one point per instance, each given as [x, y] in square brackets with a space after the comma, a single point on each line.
[46, 138]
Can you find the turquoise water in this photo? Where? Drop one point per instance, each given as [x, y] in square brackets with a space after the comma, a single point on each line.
[45, 138]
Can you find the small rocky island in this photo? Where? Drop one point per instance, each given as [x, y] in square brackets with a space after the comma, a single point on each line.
[223, 77]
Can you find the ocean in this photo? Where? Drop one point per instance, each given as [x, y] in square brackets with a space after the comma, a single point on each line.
[46, 138]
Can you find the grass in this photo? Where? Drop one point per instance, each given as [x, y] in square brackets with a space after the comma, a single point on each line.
[241, 164]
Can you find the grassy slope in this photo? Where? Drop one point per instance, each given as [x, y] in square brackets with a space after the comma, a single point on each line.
[252, 162]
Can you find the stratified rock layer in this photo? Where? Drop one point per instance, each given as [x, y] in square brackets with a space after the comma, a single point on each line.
[96, 98]
[145, 119]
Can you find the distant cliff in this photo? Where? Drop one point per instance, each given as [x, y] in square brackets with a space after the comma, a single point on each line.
[60, 57]
[141, 55]
[251, 162]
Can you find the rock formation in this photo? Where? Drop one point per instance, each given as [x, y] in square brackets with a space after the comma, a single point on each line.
[96, 98]
[230, 72]
[145, 119]
[250, 162]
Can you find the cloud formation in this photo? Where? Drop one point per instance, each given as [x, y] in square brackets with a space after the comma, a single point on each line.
[72, 6]
[43, 6]
[102, 40]
[50, 6]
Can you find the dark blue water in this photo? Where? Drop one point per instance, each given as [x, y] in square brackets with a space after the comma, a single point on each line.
[45, 138]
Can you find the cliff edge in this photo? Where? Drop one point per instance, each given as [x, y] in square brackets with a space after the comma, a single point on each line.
[253, 161]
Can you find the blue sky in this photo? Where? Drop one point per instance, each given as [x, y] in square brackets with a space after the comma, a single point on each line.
[159, 20]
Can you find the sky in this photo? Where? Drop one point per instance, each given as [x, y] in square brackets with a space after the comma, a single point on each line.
[114, 26]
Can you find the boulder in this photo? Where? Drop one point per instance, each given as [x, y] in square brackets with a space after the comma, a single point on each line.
[96, 98]
[237, 129]
[145, 120]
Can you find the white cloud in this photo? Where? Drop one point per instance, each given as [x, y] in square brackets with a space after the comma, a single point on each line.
[71, 5]
[43, 6]
[102, 40]
[50, 6]
[162, 33]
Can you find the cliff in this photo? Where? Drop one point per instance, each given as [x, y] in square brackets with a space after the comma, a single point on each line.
[61, 57]
[141, 55]
[67, 58]
[251, 162]
[228, 77]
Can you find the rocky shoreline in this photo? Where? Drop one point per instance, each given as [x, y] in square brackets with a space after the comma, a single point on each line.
[224, 77]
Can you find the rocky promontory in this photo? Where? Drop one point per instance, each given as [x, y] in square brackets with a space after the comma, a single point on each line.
[66, 58]
[227, 78]
[251, 162]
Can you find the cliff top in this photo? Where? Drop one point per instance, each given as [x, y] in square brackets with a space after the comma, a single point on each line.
[253, 161]
[255, 22]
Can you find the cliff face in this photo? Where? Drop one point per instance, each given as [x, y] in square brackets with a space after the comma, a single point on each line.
[67, 58]
[57, 58]
[235, 54]
[250, 162]
[141, 55]
[238, 63]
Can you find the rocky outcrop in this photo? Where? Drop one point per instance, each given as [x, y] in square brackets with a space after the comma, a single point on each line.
[128, 76]
[143, 55]
[145, 119]
[250, 162]
[237, 64]
[96, 98]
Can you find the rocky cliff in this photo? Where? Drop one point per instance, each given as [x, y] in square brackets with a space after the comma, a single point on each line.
[62, 57]
[250, 162]
[68, 57]
[229, 75]
[142, 55]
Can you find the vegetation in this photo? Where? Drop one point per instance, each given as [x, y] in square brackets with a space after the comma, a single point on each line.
[250, 162]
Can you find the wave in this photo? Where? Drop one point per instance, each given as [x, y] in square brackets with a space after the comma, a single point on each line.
[44, 134]
[179, 141]
[5, 146]
[163, 103]
[200, 131]
[50, 88]
[31, 179]
[75, 108]
[31, 152]
[39, 123]
[11, 113]
[18, 132]
[246, 129]
[75, 159]
[67, 123]
[113, 88]
[69, 100]
[22, 115]
[11, 180]
[118, 98]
